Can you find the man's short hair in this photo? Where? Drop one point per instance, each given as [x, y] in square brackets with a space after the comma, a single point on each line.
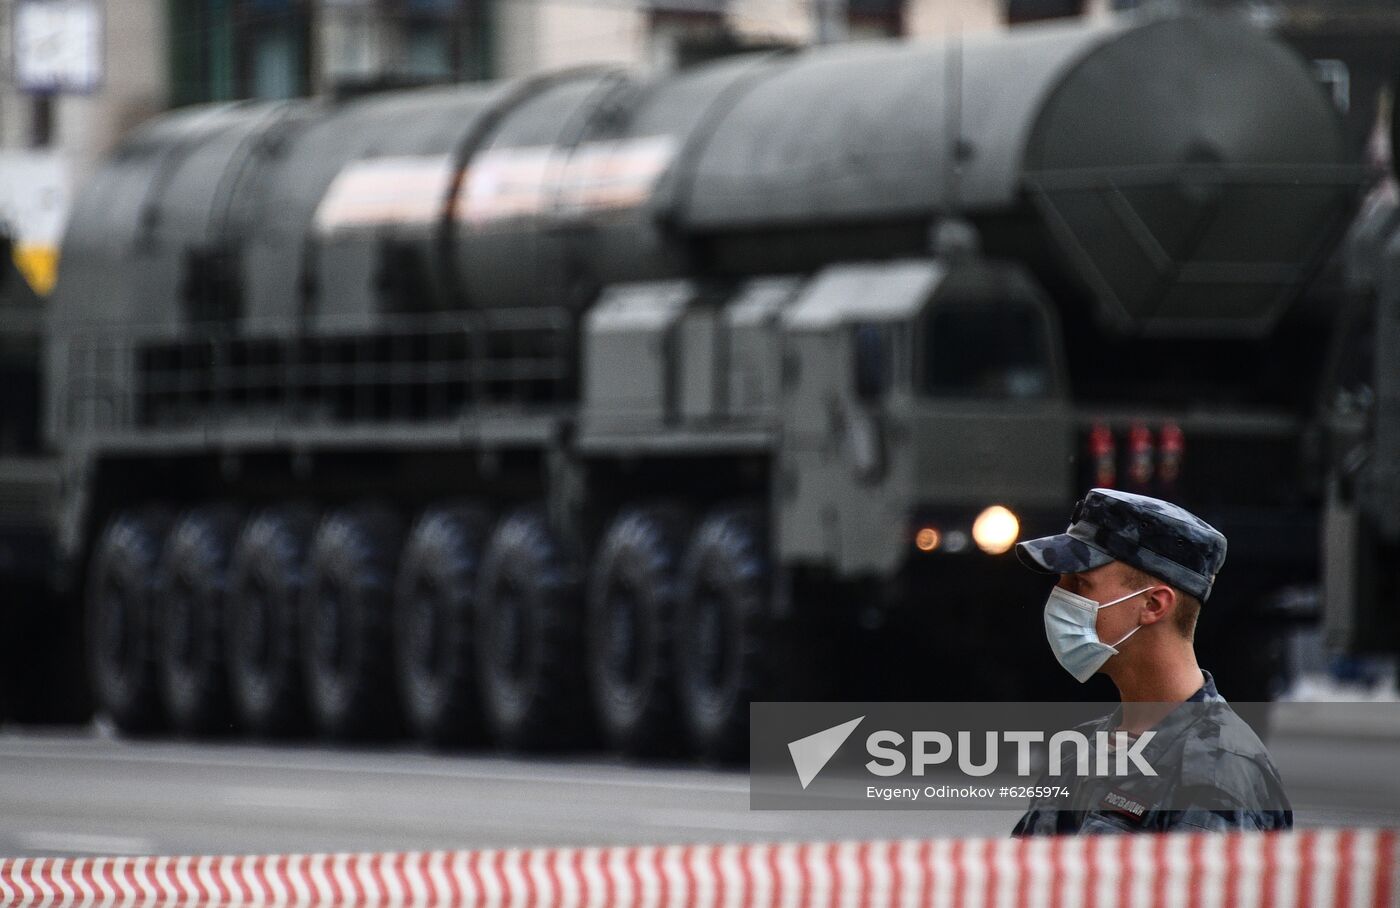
[1188, 607]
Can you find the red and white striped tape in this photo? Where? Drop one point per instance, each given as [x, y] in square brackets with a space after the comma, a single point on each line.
[1310, 868]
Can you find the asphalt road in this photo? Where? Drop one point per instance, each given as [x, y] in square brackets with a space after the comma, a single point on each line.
[81, 792]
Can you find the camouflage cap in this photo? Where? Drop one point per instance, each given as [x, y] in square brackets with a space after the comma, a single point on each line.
[1152, 535]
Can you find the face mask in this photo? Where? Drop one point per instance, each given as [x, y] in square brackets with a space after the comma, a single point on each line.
[1070, 627]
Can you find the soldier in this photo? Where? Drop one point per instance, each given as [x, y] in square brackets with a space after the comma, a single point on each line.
[1134, 571]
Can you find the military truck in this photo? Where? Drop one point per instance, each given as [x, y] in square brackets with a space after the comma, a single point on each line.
[1361, 431]
[595, 400]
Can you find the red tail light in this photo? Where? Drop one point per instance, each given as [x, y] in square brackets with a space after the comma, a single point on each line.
[1173, 445]
[1140, 455]
[1102, 456]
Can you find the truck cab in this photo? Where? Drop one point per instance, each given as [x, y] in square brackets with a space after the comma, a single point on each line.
[919, 395]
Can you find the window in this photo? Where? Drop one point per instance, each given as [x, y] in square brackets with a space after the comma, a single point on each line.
[873, 360]
[1034, 10]
[875, 18]
[274, 36]
[406, 41]
[433, 40]
[222, 50]
[428, 51]
[986, 350]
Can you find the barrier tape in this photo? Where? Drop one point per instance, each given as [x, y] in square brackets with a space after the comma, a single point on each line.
[1310, 868]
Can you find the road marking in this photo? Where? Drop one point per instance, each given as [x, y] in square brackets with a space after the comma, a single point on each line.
[83, 843]
[752, 822]
[283, 798]
[548, 773]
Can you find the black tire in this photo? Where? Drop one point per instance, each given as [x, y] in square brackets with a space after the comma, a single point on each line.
[346, 605]
[190, 583]
[529, 641]
[722, 628]
[120, 643]
[630, 612]
[434, 604]
[267, 575]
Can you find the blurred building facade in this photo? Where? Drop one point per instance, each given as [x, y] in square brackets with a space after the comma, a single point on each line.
[136, 58]
[157, 55]
[52, 135]
[151, 55]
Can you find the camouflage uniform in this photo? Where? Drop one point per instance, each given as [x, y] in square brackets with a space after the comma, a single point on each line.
[1214, 772]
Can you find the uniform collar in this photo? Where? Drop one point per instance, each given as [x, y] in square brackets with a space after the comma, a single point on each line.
[1177, 721]
[1206, 692]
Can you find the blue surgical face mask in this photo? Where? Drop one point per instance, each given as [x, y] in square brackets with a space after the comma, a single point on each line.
[1070, 626]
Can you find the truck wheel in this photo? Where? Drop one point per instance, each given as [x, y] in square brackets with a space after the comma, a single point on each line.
[266, 578]
[630, 609]
[721, 630]
[345, 620]
[121, 651]
[433, 640]
[529, 657]
[190, 583]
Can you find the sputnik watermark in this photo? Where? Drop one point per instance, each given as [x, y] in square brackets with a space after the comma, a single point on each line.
[1115, 754]
[812, 753]
[949, 755]
[964, 792]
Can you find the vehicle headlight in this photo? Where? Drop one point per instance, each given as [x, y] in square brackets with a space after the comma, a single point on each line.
[995, 530]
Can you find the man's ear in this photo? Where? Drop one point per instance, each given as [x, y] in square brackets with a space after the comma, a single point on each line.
[1158, 603]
